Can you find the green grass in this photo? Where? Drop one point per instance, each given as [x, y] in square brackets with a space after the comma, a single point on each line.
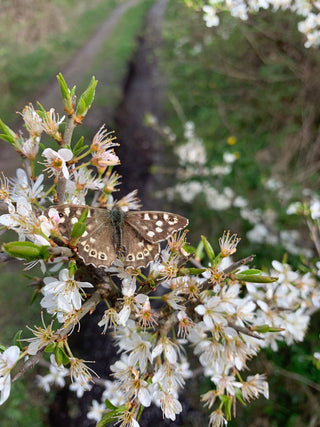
[26, 73]
[27, 405]
[111, 66]
[16, 297]
[15, 309]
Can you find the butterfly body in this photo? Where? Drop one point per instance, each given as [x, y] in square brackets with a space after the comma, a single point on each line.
[112, 234]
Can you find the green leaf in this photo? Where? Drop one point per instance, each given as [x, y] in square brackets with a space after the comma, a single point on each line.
[8, 134]
[239, 396]
[8, 139]
[60, 356]
[107, 419]
[199, 250]
[89, 94]
[16, 339]
[26, 250]
[252, 278]
[84, 215]
[81, 109]
[41, 110]
[251, 271]
[110, 405]
[227, 405]
[141, 408]
[189, 249]
[266, 328]
[72, 268]
[208, 248]
[77, 230]
[67, 95]
[50, 347]
[65, 92]
[79, 147]
[86, 100]
[34, 296]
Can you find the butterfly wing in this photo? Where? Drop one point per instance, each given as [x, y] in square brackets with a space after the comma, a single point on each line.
[138, 252]
[96, 244]
[155, 226]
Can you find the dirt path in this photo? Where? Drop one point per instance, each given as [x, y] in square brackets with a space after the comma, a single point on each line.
[73, 73]
[138, 151]
[143, 93]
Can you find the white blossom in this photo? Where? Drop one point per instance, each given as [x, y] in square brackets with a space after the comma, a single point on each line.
[7, 361]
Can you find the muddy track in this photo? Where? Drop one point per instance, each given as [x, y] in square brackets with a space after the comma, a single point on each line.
[143, 93]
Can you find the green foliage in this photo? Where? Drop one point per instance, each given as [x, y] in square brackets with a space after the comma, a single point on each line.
[243, 81]
[27, 67]
[24, 313]
[246, 83]
[24, 407]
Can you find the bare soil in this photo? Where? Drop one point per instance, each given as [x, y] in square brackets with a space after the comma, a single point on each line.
[143, 93]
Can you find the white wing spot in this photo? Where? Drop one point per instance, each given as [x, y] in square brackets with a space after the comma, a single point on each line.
[165, 216]
[146, 217]
[102, 255]
[62, 220]
[159, 230]
[78, 212]
[74, 220]
[85, 234]
[172, 220]
[154, 216]
[92, 240]
[150, 233]
[141, 244]
[159, 223]
[67, 211]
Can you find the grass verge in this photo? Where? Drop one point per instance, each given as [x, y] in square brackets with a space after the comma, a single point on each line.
[26, 73]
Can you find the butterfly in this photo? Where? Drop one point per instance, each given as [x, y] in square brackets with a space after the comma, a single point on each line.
[111, 234]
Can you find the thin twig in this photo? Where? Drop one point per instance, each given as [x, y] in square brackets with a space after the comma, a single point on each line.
[5, 257]
[238, 264]
[295, 376]
[61, 186]
[244, 330]
[87, 307]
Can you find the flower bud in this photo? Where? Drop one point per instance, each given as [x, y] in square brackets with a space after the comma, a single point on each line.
[85, 101]
[26, 250]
